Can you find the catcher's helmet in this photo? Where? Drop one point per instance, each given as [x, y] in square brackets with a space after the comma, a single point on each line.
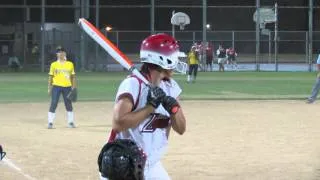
[160, 49]
[121, 159]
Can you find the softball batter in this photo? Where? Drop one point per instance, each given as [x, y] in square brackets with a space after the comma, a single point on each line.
[145, 115]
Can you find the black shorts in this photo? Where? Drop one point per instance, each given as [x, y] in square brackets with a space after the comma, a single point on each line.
[14, 66]
[193, 69]
[209, 60]
[231, 58]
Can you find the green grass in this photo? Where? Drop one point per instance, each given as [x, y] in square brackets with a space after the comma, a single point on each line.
[32, 87]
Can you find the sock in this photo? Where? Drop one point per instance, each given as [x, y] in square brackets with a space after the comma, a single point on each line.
[70, 116]
[51, 117]
[188, 79]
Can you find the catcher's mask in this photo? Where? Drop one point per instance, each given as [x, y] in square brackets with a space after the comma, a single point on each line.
[122, 159]
[2, 153]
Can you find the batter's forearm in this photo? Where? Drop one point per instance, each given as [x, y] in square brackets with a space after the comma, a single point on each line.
[179, 122]
[131, 119]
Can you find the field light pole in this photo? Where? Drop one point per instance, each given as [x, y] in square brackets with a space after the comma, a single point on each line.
[258, 35]
[276, 36]
[84, 41]
[43, 16]
[96, 45]
[204, 20]
[204, 31]
[173, 25]
[152, 17]
[25, 18]
[310, 34]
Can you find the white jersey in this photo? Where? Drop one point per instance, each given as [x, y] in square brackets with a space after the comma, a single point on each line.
[171, 88]
[318, 59]
[150, 134]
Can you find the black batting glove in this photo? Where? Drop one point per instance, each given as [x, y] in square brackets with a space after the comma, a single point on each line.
[170, 104]
[155, 96]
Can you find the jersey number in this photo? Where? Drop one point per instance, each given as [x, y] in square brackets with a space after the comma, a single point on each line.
[156, 121]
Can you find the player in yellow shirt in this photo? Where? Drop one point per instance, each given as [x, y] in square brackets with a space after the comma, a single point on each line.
[62, 80]
[193, 61]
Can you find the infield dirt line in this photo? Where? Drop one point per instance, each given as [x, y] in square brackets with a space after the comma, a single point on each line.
[14, 167]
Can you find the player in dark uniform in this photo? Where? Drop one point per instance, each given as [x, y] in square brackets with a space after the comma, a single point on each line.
[209, 56]
[221, 53]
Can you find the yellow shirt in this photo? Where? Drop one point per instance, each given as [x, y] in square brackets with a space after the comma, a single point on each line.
[61, 73]
[192, 57]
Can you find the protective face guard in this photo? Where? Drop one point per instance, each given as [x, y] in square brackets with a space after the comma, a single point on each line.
[181, 67]
[169, 62]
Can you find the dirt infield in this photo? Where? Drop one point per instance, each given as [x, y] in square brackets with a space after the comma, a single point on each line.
[224, 140]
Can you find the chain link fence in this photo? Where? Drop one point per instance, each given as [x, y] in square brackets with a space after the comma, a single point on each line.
[230, 25]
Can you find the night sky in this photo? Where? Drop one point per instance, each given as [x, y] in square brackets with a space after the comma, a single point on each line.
[139, 18]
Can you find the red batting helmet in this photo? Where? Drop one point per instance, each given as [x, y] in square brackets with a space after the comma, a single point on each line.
[160, 49]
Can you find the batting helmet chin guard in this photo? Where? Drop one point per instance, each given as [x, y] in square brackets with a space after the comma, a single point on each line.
[121, 159]
[160, 49]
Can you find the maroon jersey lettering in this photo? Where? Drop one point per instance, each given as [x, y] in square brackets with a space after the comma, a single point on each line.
[156, 121]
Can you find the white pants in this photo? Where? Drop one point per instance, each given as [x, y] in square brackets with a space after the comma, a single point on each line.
[156, 172]
[221, 60]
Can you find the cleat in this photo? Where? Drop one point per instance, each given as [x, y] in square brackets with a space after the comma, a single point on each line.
[310, 101]
[50, 126]
[71, 125]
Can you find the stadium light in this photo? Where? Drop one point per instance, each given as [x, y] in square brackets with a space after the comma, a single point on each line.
[208, 26]
[108, 28]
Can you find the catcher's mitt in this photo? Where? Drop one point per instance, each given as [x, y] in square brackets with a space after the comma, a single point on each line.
[73, 95]
[121, 159]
